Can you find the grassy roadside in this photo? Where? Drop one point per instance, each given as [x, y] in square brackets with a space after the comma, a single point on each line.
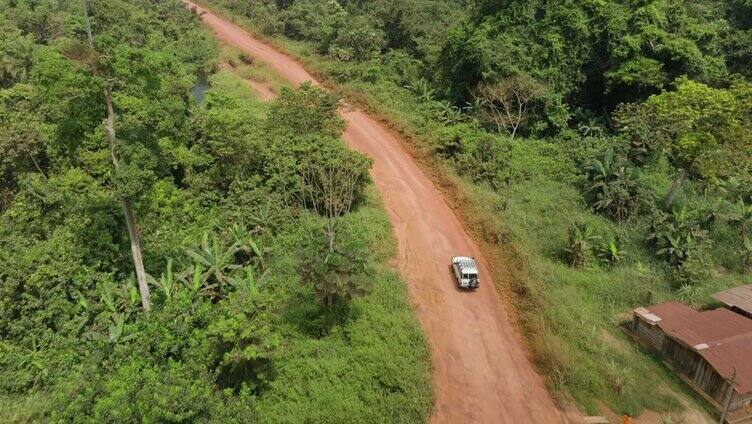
[373, 367]
[244, 66]
[570, 316]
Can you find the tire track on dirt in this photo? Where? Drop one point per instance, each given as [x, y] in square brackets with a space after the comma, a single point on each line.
[481, 371]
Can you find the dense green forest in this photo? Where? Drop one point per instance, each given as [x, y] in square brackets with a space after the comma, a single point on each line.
[605, 147]
[267, 297]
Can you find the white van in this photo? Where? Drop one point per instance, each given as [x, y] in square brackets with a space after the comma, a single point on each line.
[466, 272]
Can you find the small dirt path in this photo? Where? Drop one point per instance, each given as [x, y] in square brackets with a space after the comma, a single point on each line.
[481, 371]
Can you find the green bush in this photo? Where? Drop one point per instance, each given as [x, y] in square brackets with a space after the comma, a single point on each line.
[694, 271]
[336, 265]
[316, 21]
[245, 340]
[357, 40]
[678, 236]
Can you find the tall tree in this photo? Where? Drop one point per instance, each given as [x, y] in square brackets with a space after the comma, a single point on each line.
[130, 218]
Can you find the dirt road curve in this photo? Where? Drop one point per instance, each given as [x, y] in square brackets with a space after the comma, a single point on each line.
[481, 373]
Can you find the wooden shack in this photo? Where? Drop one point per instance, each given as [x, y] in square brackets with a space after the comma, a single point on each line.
[711, 350]
[738, 299]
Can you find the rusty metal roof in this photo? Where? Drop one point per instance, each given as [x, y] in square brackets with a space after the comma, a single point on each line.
[740, 297]
[722, 337]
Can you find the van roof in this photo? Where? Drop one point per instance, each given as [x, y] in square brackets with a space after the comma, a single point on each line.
[466, 264]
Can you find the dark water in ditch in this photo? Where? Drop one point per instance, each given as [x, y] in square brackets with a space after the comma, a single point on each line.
[199, 90]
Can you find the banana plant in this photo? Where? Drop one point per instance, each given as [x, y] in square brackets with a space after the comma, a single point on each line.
[244, 242]
[35, 361]
[612, 187]
[677, 236]
[742, 214]
[423, 89]
[116, 329]
[747, 255]
[81, 300]
[610, 252]
[246, 281]
[107, 296]
[129, 293]
[579, 245]
[166, 282]
[217, 263]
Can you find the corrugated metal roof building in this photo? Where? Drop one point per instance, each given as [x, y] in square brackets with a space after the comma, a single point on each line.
[738, 299]
[712, 349]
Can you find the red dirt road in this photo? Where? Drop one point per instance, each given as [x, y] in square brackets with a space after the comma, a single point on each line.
[481, 371]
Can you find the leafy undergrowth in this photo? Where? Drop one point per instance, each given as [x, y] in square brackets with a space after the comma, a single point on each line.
[367, 363]
[236, 333]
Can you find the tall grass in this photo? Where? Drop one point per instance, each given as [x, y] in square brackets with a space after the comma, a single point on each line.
[248, 68]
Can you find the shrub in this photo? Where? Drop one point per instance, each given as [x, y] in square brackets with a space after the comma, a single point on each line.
[693, 271]
[315, 21]
[307, 110]
[486, 162]
[498, 161]
[679, 235]
[245, 340]
[358, 40]
[612, 188]
[338, 268]
[137, 390]
[402, 68]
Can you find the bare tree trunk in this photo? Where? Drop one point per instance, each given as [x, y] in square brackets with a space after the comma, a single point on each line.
[36, 164]
[671, 196]
[130, 219]
[519, 116]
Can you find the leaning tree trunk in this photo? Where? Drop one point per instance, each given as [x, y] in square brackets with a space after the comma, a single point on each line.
[130, 219]
[671, 196]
